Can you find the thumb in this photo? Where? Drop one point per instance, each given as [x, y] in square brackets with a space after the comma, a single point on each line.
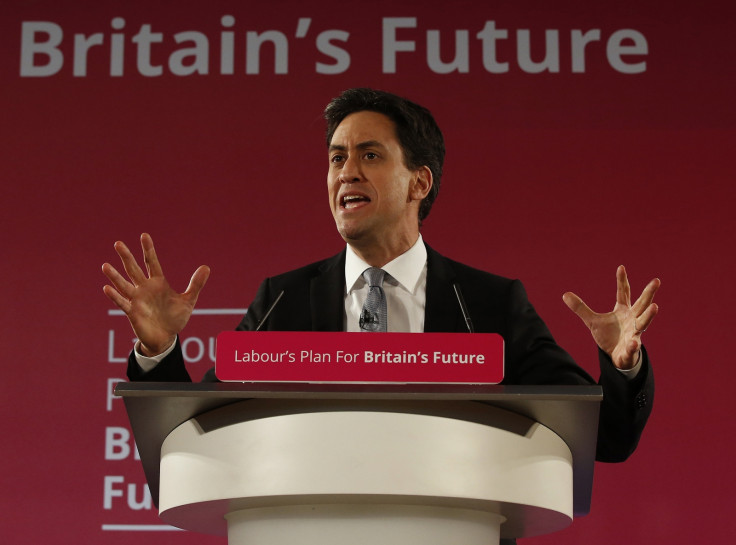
[578, 306]
[199, 279]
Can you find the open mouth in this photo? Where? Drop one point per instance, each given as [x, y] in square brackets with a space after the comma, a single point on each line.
[353, 201]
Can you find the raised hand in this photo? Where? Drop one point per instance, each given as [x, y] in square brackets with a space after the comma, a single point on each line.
[618, 333]
[156, 312]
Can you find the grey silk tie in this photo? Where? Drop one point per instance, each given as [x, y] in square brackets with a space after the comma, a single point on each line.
[374, 316]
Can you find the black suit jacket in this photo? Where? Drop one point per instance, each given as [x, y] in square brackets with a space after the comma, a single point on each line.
[314, 301]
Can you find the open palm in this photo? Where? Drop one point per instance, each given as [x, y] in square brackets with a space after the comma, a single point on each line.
[156, 312]
[618, 333]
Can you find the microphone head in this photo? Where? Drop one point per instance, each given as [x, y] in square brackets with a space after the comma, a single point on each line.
[368, 320]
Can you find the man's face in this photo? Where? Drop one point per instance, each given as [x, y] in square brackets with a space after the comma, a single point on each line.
[374, 198]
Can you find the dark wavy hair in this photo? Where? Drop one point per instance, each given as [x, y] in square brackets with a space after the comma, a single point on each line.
[418, 133]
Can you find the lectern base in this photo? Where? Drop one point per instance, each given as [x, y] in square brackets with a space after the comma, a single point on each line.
[362, 524]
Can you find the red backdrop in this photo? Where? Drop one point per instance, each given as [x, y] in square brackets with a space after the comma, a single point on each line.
[556, 173]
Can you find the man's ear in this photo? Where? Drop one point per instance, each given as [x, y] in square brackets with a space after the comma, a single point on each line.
[421, 183]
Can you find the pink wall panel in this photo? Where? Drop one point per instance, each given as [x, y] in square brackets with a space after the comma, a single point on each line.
[553, 177]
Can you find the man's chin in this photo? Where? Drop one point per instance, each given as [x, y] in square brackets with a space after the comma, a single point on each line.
[355, 235]
[350, 230]
[350, 235]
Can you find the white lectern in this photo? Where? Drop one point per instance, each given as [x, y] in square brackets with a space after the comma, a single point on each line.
[366, 464]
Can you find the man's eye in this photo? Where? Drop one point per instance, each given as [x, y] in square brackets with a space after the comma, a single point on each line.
[336, 158]
[370, 155]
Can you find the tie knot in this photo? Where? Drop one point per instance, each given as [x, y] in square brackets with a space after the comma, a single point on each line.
[374, 276]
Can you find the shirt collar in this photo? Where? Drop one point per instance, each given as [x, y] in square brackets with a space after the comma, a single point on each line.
[405, 269]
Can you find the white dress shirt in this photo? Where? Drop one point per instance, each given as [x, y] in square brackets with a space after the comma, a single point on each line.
[405, 286]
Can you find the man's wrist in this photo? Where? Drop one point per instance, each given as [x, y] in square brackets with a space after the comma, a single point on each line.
[632, 372]
[147, 363]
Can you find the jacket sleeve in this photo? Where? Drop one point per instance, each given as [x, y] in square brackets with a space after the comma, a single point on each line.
[169, 369]
[625, 410]
[533, 357]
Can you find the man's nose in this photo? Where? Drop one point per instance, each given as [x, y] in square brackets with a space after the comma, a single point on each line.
[351, 171]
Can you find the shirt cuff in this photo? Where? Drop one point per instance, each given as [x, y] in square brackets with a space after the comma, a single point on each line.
[631, 374]
[147, 363]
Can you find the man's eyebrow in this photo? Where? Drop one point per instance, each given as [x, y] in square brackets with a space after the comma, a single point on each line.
[362, 145]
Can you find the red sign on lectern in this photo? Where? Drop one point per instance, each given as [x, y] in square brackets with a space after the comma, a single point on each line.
[324, 357]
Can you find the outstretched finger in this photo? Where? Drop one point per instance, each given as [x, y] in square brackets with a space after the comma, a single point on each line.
[121, 284]
[645, 318]
[199, 279]
[135, 273]
[646, 297]
[577, 305]
[623, 289]
[114, 295]
[153, 266]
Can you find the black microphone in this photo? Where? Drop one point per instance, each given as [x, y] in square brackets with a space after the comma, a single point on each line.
[268, 312]
[463, 308]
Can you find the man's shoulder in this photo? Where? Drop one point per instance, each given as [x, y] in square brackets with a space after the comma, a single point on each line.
[334, 264]
[453, 270]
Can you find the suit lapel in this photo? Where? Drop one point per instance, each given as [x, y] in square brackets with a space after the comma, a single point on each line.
[327, 295]
[442, 311]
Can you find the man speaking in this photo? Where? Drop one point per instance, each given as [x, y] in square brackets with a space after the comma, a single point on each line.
[385, 165]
